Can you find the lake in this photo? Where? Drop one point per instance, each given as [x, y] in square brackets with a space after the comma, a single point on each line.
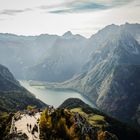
[54, 97]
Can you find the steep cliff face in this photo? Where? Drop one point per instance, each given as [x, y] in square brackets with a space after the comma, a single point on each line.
[111, 76]
[121, 97]
[13, 96]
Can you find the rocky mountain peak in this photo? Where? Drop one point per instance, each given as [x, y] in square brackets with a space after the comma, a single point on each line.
[67, 34]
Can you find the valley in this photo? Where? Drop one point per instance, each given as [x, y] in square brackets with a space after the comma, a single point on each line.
[52, 96]
[70, 70]
[96, 78]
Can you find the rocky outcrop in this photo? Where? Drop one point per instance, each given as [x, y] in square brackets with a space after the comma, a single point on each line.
[76, 120]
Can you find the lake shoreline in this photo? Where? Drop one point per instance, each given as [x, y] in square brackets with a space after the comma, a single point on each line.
[40, 90]
[69, 89]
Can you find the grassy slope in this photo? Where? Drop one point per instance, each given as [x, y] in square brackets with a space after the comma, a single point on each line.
[61, 125]
[121, 130]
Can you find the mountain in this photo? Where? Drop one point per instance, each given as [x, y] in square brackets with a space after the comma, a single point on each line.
[62, 61]
[71, 54]
[134, 30]
[76, 120]
[58, 57]
[105, 67]
[20, 52]
[68, 34]
[110, 78]
[31, 57]
[13, 96]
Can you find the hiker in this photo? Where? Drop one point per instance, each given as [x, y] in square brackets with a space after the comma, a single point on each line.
[15, 129]
[27, 125]
[33, 131]
[38, 121]
[52, 108]
[35, 128]
[30, 126]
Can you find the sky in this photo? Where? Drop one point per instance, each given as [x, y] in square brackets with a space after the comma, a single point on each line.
[85, 17]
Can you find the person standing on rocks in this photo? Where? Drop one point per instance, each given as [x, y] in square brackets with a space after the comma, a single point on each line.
[30, 126]
[15, 129]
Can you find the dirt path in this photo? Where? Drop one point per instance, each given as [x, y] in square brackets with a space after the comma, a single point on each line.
[21, 125]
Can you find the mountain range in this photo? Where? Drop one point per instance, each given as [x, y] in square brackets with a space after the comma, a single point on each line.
[105, 67]
[45, 57]
[110, 76]
[54, 58]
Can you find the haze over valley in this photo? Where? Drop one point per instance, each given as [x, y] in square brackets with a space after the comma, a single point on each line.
[70, 70]
[103, 67]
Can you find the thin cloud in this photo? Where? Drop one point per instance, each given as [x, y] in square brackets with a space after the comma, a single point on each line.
[83, 6]
[13, 12]
[69, 3]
